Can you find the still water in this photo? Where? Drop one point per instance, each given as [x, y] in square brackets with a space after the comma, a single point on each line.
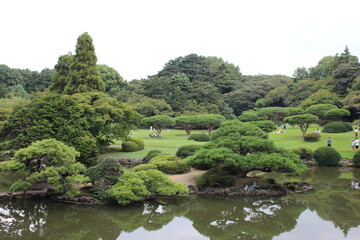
[332, 211]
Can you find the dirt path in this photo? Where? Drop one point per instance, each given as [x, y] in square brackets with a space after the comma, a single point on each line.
[187, 178]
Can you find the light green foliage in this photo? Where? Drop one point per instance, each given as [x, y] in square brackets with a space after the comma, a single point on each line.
[169, 164]
[276, 114]
[210, 121]
[266, 125]
[187, 150]
[244, 147]
[249, 116]
[129, 188]
[304, 152]
[157, 182]
[133, 144]
[53, 162]
[20, 186]
[321, 96]
[158, 122]
[320, 110]
[327, 156]
[83, 75]
[337, 114]
[303, 121]
[145, 167]
[150, 155]
[199, 137]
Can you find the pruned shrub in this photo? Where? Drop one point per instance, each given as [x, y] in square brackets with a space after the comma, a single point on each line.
[151, 155]
[199, 137]
[215, 178]
[337, 127]
[265, 125]
[138, 141]
[356, 159]
[144, 167]
[133, 144]
[164, 157]
[187, 150]
[20, 186]
[311, 137]
[305, 153]
[327, 156]
[172, 167]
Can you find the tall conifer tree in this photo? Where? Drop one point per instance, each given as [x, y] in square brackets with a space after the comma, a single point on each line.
[62, 68]
[84, 75]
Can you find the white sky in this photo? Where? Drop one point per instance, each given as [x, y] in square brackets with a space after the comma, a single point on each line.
[137, 37]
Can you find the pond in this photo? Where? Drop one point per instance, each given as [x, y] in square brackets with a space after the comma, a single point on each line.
[332, 211]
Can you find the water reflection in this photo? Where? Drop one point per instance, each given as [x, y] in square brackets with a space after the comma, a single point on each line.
[214, 218]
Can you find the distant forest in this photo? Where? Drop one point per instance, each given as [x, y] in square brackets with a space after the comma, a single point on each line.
[196, 84]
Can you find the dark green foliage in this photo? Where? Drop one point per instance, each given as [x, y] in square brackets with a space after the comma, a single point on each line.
[249, 116]
[105, 173]
[83, 75]
[20, 186]
[327, 156]
[303, 121]
[337, 127]
[356, 159]
[311, 137]
[266, 125]
[187, 150]
[215, 178]
[199, 137]
[151, 155]
[172, 167]
[159, 122]
[211, 158]
[60, 78]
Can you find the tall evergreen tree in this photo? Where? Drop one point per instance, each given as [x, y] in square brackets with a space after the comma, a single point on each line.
[84, 75]
[62, 68]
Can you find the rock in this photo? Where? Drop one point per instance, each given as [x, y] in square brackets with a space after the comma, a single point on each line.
[18, 194]
[36, 193]
[5, 195]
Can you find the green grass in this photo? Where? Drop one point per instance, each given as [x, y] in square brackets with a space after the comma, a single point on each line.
[169, 142]
[292, 137]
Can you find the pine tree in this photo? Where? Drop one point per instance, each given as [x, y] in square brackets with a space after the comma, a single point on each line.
[62, 68]
[84, 75]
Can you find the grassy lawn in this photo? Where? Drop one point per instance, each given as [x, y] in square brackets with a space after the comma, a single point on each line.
[292, 138]
[169, 142]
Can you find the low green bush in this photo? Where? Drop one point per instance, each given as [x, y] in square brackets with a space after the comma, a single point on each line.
[151, 155]
[337, 127]
[199, 137]
[215, 178]
[144, 167]
[265, 125]
[327, 156]
[356, 159]
[172, 167]
[311, 137]
[164, 157]
[305, 153]
[187, 150]
[133, 144]
[20, 186]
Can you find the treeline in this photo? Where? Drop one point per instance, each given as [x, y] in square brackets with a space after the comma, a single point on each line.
[196, 84]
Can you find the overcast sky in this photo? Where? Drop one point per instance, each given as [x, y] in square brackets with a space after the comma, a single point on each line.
[137, 37]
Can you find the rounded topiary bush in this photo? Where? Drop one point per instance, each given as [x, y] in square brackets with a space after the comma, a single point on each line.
[144, 167]
[265, 125]
[151, 155]
[199, 137]
[164, 157]
[172, 167]
[215, 178]
[187, 150]
[337, 127]
[312, 137]
[327, 156]
[356, 159]
[133, 144]
[305, 153]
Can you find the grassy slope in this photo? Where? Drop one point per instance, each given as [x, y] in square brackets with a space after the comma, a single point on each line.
[170, 141]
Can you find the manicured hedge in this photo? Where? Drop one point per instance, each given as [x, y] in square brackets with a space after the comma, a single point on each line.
[133, 144]
[337, 127]
[215, 178]
[312, 137]
[187, 150]
[199, 137]
[327, 156]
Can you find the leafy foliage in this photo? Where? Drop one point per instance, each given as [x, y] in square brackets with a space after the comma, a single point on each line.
[305, 153]
[187, 150]
[133, 144]
[169, 164]
[303, 121]
[266, 125]
[159, 122]
[327, 156]
[311, 137]
[150, 155]
[356, 159]
[215, 178]
[337, 127]
[199, 137]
